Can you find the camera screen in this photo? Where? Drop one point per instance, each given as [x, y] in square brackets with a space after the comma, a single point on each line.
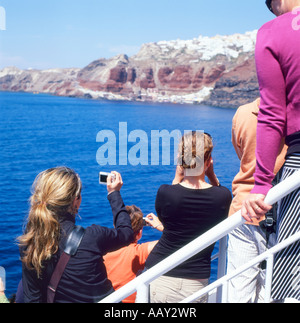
[103, 178]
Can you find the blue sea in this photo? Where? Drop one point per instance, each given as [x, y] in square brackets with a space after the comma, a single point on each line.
[41, 131]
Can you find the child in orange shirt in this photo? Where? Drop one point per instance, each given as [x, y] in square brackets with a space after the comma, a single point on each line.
[123, 265]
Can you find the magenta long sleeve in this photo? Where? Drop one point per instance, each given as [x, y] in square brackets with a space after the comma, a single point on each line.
[278, 70]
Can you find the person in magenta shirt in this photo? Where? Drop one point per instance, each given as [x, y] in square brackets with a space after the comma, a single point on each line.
[278, 70]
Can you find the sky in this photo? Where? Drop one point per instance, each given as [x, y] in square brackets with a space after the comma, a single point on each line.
[43, 34]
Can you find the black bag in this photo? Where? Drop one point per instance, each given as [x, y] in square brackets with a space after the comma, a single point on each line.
[269, 225]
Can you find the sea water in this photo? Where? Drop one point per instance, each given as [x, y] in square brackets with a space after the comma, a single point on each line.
[41, 131]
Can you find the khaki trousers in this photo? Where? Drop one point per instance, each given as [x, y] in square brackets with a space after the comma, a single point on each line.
[174, 290]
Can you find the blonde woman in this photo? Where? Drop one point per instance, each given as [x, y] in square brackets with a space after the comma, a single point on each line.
[187, 209]
[55, 202]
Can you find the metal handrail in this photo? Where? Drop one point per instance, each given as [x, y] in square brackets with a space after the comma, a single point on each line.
[141, 283]
[269, 255]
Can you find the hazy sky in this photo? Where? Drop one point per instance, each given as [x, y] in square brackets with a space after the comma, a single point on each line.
[72, 33]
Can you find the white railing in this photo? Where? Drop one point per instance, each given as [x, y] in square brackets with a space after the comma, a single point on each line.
[269, 255]
[141, 283]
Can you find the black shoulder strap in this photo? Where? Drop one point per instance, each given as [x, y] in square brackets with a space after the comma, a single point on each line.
[70, 250]
[269, 224]
[74, 241]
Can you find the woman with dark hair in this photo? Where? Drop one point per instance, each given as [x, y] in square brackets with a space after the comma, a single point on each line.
[55, 201]
[278, 70]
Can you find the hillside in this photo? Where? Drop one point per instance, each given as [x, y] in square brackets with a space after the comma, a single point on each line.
[218, 71]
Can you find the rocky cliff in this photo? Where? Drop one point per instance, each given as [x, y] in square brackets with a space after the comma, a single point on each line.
[218, 71]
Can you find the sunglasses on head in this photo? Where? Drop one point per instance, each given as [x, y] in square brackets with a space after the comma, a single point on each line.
[269, 5]
[205, 133]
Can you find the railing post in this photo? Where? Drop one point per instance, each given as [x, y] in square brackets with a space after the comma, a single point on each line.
[142, 295]
[221, 265]
[269, 278]
[225, 292]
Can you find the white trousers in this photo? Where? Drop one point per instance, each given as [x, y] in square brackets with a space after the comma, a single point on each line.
[244, 244]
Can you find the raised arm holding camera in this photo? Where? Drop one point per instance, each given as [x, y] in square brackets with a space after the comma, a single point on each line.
[55, 202]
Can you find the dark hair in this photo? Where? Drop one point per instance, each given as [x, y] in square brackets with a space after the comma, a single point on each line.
[136, 216]
[269, 5]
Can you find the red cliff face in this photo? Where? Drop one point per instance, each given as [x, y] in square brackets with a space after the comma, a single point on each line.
[198, 78]
[214, 75]
[179, 71]
[118, 74]
[147, 79]
[237, 87]
[179, 77]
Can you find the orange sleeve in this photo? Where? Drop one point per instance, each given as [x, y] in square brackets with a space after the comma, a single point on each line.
[142, 252]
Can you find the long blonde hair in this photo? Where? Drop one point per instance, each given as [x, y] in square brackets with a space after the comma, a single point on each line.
[53, 194]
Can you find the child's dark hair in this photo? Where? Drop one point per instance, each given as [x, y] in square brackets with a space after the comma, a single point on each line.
[136, 216]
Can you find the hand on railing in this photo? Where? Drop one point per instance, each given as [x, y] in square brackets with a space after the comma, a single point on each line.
[254, 207]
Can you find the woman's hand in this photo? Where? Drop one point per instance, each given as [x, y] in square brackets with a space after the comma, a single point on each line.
[114, 182]
[154, 222]
[254, 207]
[210, 173]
